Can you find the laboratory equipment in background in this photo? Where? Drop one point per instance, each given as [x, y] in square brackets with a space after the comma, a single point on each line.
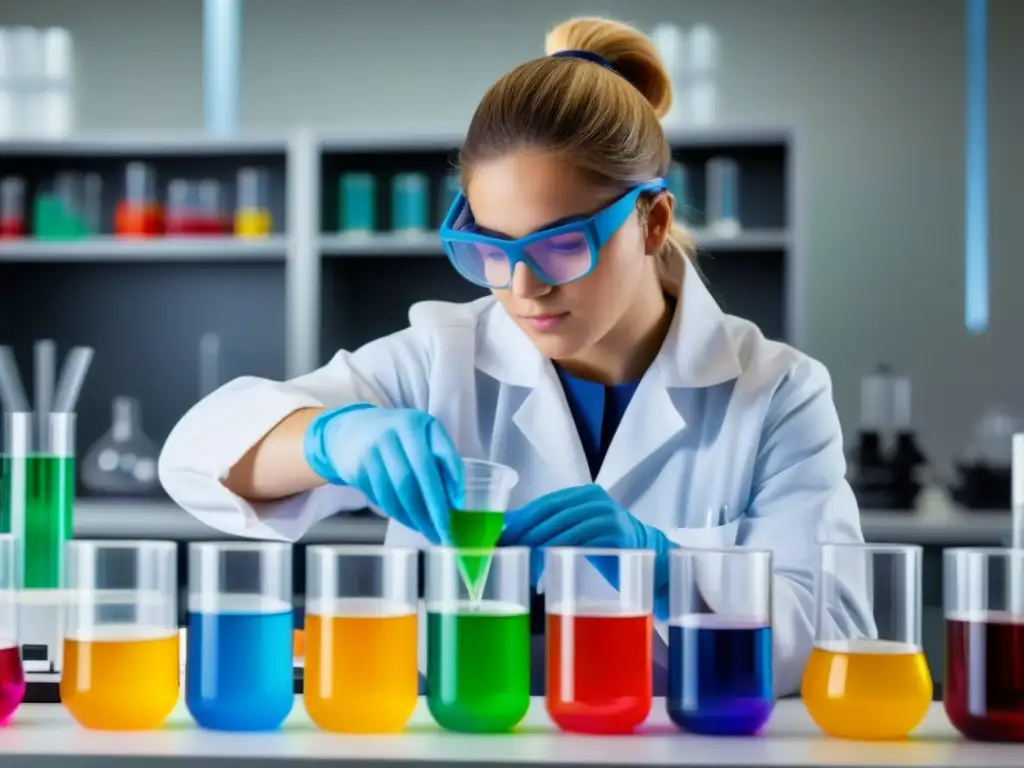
[868, 679]
[212, 208]
[357, 203]
[720, 641]
[983, 474]
[139, 214]
[449, 190]
[679, 187]
[36, 83]
[887, 461]
[124, 460]
[121, 636]
[410, 204]
[722, 201]
[983, 690]
[238, 666]
[670, 41]
[181, 217]
[252, 212]
[478, 651]
[12, 207]
[69, 207]
[361, 637]
[599, 638]
[692, 60]
[12, 673]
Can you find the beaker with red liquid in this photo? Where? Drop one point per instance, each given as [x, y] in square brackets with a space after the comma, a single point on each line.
[12, 675]
[12, 207]
[984, 677]
[599, 634]
[212, 209]
[139, 214]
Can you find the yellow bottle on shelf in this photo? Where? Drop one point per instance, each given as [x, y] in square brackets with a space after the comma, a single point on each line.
[253, 222]
[252, 212]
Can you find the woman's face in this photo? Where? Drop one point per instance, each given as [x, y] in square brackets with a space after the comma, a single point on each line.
[523, 192]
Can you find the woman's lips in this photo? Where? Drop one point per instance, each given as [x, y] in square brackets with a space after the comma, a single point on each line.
[545, 322]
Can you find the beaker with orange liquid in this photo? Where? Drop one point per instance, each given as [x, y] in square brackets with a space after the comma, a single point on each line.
[867, 677]
[361, 642]
[121, 664]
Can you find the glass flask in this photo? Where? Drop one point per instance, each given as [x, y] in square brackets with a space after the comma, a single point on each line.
[124, 460]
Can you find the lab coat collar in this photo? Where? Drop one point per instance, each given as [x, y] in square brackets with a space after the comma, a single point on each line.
[698, 350]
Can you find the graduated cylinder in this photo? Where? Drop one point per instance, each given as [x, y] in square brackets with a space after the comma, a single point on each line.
[238, 671]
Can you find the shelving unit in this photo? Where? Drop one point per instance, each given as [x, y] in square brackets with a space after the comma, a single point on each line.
[284, 305]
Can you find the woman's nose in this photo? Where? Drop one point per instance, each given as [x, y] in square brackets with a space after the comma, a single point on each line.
[526, 285]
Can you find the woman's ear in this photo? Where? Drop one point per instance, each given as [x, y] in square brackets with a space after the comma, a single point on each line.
[659, 222]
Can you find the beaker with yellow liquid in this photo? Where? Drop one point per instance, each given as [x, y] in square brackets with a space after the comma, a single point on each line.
[867, 677]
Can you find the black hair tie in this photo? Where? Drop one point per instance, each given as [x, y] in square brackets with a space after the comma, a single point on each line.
[590, 56]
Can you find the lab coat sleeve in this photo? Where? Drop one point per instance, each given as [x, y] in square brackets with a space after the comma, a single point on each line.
[800, 497]
[220, 429]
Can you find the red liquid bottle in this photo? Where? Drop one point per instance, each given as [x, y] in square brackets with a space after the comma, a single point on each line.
[139, 214]
[12, 208]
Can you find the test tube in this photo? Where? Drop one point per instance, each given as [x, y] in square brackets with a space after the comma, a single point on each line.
[600, 619]
[238, 663]
[723, 196]
[211, 207]
[12, 207]
[357, 207]
[478, 518]
[478, 650]
[69, 187]
[12, 675]
[139, 214]
[409, 203]
[867, 678]
[178, 219]
[252, 212]
[93, 203]
[720, 641]
[38, 473]
[121, 634]
[984, 676]
[361, 673]
[139, 184]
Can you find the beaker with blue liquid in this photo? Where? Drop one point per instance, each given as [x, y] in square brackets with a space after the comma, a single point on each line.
[720, 641]
[238, 666]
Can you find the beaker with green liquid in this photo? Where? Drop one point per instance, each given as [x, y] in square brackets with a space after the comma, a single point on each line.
[37, 496]
[478, 648]
[477, 522]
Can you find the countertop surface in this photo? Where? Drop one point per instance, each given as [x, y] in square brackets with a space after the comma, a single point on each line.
[42, 734]
[936, 521]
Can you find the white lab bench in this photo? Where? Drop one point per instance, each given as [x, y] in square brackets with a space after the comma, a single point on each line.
[935, 522]
[44, 734]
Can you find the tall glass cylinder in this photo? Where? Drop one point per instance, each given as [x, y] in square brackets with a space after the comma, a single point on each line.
[984, 678]
[600, 620]
[720, 641]
[361, 637]
[867, 677]
[12, 676]
[478, 649]
[37, 497]
[238, 665]
[121, 663]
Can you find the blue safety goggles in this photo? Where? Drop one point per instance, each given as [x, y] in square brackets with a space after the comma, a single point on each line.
[559, 255]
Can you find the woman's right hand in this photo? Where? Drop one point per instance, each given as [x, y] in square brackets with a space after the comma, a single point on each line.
[401, 459]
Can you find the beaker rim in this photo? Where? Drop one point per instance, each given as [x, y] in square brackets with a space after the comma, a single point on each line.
[478, 551]
[361, 550]
[600, 552]
[684, 551]
[239, 546]
[140, 544]
[496, 473]
[986, 552]
[866, 546]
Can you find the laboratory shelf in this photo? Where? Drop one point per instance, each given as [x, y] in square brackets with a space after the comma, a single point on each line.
[129, 145]
[154, 249]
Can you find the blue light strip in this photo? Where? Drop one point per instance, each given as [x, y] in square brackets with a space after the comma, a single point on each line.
[976, 225]
[222, 29]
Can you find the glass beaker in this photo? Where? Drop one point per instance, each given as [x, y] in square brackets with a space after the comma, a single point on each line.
[210, 198]
[121, 663]
[409, 202]
[361, 673]
[37, 499]
[478, 650]
[12, 675]
[723, 196]
[984, 679]
[124, 460]
[478, 518]
[12, 207]
[872, 682]
[238, 663]
[252, 212]
[600, 619]
[720, 640]
[357, 203]
[139, 213]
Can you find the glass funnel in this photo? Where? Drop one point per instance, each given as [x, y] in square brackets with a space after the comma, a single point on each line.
[124, 460]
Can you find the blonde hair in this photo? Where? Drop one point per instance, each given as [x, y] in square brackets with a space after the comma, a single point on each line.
[606, 123]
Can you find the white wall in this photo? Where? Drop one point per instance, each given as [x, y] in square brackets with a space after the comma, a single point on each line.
[876, 87]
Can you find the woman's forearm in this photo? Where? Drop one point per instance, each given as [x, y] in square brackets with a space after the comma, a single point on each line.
[276, 467]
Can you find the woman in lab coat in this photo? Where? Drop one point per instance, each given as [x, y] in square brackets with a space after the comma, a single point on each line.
[635, 411]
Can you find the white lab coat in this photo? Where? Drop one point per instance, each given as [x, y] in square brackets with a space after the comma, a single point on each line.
[730, 439]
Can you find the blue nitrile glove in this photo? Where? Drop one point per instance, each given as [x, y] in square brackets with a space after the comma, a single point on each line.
[402, 460]
[586, 516]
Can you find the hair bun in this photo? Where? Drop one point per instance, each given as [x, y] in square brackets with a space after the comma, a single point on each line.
[624, 47]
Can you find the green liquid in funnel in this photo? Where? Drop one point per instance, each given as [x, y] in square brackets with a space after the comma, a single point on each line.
[472, 529]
